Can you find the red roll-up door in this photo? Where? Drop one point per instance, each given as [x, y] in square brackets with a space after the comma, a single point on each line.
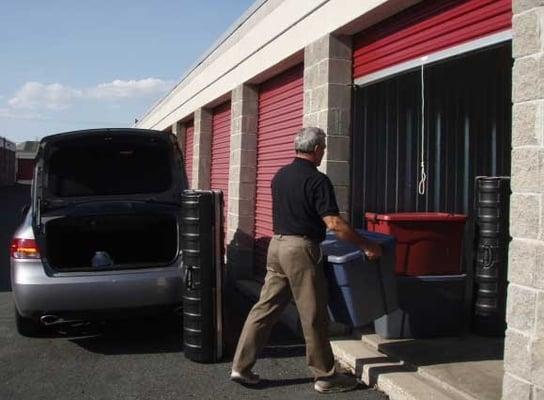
[188, 148]
[427, 27]
[25, 169]
[221, 154]
[280, 117]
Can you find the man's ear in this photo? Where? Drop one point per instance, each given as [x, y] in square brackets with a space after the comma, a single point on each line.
[316, 147]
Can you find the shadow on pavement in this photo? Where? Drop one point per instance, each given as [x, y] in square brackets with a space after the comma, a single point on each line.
[141, 336]
[269, 383]
[165, 335]
[282, 343]
[12, 200]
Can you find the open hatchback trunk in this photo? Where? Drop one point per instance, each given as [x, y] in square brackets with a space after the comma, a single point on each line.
[108, 199]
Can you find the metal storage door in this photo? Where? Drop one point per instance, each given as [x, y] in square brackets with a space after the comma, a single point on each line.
[280, 117]
[188, 149]
[25, 169]
[221, 154]
[425, 28]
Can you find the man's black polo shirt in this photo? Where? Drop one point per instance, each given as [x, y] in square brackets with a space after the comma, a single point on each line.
[301, 197]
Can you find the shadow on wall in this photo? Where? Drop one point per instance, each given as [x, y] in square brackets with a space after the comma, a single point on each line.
[241, 267]
[246, 257]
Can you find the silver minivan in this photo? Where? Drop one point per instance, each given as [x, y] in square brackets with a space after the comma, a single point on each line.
[101, 238]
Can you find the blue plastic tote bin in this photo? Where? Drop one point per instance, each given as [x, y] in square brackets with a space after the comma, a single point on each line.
[430, 306]
[360, 290]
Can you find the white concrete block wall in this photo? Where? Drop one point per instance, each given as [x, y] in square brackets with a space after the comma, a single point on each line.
[202, 149]
[524, 344]
[242, 181]
[327, 104]
[179, 130]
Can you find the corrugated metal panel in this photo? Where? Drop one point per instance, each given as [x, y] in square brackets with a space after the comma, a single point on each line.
[426, 28]
[221, 154]
[188, 148]
[467, 127]
[280, 117]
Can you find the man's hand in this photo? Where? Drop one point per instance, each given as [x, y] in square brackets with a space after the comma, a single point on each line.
[372, 251]
[343, 231]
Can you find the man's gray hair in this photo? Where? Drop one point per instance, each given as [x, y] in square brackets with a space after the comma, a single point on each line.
[307, 138]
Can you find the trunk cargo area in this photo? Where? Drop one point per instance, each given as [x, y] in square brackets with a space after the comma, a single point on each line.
[108, 242]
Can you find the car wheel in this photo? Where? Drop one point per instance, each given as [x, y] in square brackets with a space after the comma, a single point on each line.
[27, 326]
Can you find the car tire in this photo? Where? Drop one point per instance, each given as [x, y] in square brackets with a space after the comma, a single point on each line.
[27, 326]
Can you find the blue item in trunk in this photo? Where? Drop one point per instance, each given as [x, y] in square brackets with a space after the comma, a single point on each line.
[101, 259]
[360, 290]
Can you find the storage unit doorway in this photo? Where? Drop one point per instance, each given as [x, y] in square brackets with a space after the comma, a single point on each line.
[421, 138]
[465, 132]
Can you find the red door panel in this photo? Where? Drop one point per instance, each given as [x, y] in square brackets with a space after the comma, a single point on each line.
[280, 118]
[426, 28]
[25, 169]
[221, 154]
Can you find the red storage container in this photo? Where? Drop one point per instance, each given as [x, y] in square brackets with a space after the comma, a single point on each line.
[427, 243]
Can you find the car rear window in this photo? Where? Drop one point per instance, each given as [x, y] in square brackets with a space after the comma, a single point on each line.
[109, 166]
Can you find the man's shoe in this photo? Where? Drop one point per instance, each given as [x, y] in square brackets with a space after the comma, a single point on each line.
[335, 384]
[247, 378]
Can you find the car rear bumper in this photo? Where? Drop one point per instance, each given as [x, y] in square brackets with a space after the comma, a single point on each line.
[35, 293]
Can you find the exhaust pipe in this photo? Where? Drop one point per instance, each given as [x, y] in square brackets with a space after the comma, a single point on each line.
[51, 320]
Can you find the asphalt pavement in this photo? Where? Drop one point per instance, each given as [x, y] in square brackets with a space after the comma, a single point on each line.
[136, 359]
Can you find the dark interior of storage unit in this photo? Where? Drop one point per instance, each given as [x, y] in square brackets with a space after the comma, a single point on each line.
[467, 129]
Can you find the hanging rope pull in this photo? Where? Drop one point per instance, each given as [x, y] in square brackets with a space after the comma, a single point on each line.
[422, 180]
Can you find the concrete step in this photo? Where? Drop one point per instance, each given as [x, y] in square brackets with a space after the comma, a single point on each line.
[398, 380]
[470, 366]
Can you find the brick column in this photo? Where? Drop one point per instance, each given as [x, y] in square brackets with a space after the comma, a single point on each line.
[327, 104]
[242, 181]
[178, 129]
[524, 344]
[202, 149]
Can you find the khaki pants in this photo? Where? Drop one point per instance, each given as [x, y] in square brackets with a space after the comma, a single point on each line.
[293, 263]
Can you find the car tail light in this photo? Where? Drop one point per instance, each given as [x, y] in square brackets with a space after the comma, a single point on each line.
[24, 249]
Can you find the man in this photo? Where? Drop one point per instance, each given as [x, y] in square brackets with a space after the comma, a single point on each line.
[304, 205]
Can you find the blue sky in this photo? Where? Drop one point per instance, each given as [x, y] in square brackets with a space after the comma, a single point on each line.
[69, 64]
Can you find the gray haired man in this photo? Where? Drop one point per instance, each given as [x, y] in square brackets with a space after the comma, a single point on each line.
[304, 206]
